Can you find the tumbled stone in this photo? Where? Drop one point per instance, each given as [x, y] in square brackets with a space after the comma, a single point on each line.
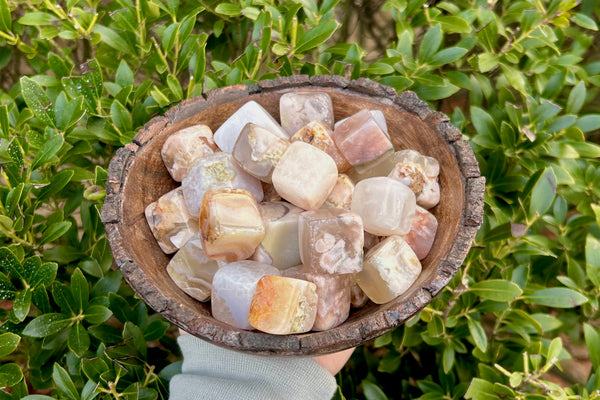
[371, 240]
[333, 293]
[318, 134]
[360, 139]
[227, 134]
[305, 176]
[331, 241]
[216, 171]
[192, 271]
[426, 189]
[283, 306]
[258, 150]
[377, 116]
[390, 268]
[385, 205]
[185, 146]
[270, 194]
[422, 232]
[297, 109]
[170, 222]
[341, 195]
[358, 298]
[231, 226]
[280, 245]
[384, 165]
[234, 285]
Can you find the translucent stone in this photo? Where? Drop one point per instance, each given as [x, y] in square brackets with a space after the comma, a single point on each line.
[231, 226]
[192, 271]
[319, 135]
[384, 165]
[331, 241]
[170, 222]
[280, 245]
[426, 189]
[216, 171]
[360, 139]
[390, 268]
[333, 292]
[341, 195]
[283, 306]
[184, 146]
[305, 176]
[258, 150]
[422, 232]
[358, 298]
[227, 134]
[377, 116]
[270, 194]
[234, 285]
[297, 109]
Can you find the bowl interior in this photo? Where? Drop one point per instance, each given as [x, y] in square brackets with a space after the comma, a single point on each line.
[147, 179]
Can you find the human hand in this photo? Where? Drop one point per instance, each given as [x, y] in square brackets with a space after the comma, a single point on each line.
[335, 362]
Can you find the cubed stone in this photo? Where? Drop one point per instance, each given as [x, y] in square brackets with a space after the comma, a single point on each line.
[280, 245]
[184, 146]
[192, 271]
[385, 205]
[305, 176]
[227, 134]
[231, 226]
[377, 116]
[170, 222]
[422, 232]
[283, 306]
[360, 139]
[358, 298]
[384, 165]
[331, 241]
[216, 171]
[413, 175]
[297, 109]
[389, 270]
[341, 195]
[258, 150]
[234, 285]
[318, 134]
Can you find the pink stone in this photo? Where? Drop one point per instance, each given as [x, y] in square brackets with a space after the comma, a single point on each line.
[360, 139]
[297, 109]
[331, 241]
[358, 298]
[341, 195]
[184, 146]
[422, 232]
[319, 135]
[426, 189]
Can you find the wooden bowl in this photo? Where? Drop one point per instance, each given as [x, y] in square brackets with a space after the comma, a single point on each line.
[137, 177]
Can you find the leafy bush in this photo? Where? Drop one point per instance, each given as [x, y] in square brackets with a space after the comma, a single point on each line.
[520, 78]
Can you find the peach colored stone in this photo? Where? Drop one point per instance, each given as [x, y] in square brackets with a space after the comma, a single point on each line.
[297, 109]
[184, 146]
[422, 232]
[341, 195]
[319, 135]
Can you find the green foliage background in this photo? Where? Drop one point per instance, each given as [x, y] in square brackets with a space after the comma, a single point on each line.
[520, 78]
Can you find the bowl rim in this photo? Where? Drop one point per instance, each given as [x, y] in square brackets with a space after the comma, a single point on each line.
[357, 332]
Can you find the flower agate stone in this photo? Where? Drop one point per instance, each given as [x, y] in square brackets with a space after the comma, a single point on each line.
[371, 240]
[283, 306]
[361, 139]
[384, 165]
[184, 146]
[234, 285]
[377, 116]
[227, 134]
[258, 150]
[216, 171]
[331, 241]
[231, 226]
[426, 189]
[422, 232]
[192, 271]
[333, 292]
[341, 195]
[385, 205]
[297, 109]
[319, 135]
[280, 245]
[358, 298]
[305, 176]
[170, 222]
[390, 268]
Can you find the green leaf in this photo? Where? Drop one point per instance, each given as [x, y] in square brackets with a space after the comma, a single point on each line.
[478, 334]
[64, 383]
[44, 275]
[58, 182]
[64, 298]
[46, 325]
[97, 314]
[5, 19]
[21, 305]
[8, 343]
[554, 350]
[37, 18]
[7, 289]
[10, 375]
[38, 101]
[480, 389]
[431, 43]
[55, 231]
[487, 61]
[93, 368]
[80, 290]
[114, 39]
[79, 340]
[588, 123]
[124, 75]
[37, 397]
[448, 55]
[231, 10]
[584, 21]
[134, 338]
[47, 152]
[557, 297]
[592, 258]
[9, 263]
[454, 24]
[514, 77]
[4, 119]
[155, 330]
[121, 117]
[576, 98]
[496, 290]
[316, 36]
[380, 68]
[372, 391]
[543, 193]
[592, 341]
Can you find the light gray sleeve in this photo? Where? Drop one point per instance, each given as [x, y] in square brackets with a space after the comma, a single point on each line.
[211, 372]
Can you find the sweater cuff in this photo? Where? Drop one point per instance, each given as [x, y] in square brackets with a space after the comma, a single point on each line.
[209, 371]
